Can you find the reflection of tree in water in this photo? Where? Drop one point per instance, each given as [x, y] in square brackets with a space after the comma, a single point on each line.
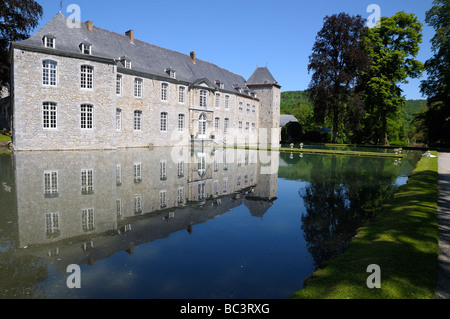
[343, 194]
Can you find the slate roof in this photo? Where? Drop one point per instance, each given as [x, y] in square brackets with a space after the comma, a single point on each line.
[145, 57]
[286, 118]
[262, 75]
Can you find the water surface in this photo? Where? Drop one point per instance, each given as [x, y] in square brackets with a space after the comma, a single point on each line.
[165, 223]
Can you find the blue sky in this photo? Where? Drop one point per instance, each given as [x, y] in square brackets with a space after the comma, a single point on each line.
[240, 35]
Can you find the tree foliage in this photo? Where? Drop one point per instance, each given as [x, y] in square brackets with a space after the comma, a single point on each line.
[336, 59]
[392, 48]
[17, 19]
[437, 87]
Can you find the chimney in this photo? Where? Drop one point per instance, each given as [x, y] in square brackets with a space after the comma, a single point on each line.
[90, 26]
[193, 56]
[130, 34]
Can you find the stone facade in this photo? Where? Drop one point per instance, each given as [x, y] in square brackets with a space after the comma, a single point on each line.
[118, 116]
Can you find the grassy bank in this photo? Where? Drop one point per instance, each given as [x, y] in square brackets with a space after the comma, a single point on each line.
[322, 151]
[402, 241]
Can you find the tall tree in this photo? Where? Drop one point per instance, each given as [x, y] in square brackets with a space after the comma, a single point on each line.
[437, 86]
[17, 19]
[392, 48]
[336, 59]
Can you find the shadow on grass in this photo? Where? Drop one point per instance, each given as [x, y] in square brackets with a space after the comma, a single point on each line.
[403, 240]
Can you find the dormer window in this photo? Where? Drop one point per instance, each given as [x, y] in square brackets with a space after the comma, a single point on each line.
[220, 84]
[171, 72]
[49, 41]
[125, 62]
[86, 48]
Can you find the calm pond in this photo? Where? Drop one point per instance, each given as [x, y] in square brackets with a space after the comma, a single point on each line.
[180, 223]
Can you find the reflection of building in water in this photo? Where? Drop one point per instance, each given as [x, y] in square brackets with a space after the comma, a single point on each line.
[107, 201]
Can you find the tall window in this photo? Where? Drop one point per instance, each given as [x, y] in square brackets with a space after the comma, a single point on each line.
[180, 195]
[240, 107]
[138, 87]
[180, 168]
[118, 119]
[137, 168]
[49, 72]
[217, 100]
[226, 124]
[248, 108]
[87, 219]
[247, 127]
[163, 170]
[240, 126]
[119, 84]
[164, 88]
[227, 101]
[87, 77]
[137, 204]
[203, 98]
[50, 183]
[163, 199]
[87, 181]
[180, 122]
[216, 125]
[163, 122]
[52, 224]
[49, 119]
[87, 117]
[181, 92]
[202, 125]
[137, 120]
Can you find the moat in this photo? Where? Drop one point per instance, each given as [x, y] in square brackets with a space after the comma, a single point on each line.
[169, 223]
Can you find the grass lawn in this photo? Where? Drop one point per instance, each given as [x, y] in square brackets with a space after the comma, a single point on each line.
[4, 138]
[403, 241]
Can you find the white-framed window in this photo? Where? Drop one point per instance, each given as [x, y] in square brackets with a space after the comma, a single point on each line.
[137, 171]
[137, 120]
[203, 102]
[253, 108]
[50, 183]
[137, 204]
[49, 115]
[225, 185]
[240, 106]
[118, 174]
[180, 195]
[52, 224]
[181, 121]
[49, 42]
[164, 122]
[119, 84]
[217, 125]
[227, 101]
[163, 170]
[87, 219]
[202, 125]
[49, 72]
[127, 64]
[118, 119]
[87, 77]
[87, 181]
[226, 125]
[86, 117]
[164, 91]
[119, 207]
[247, 127]
[86, 48]
[138, 87]
[180, 168]
[163, 199]
[217, 100]
[240, 126]
[181, 94]
[248, 108]
[216, 187]
[201, 190]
